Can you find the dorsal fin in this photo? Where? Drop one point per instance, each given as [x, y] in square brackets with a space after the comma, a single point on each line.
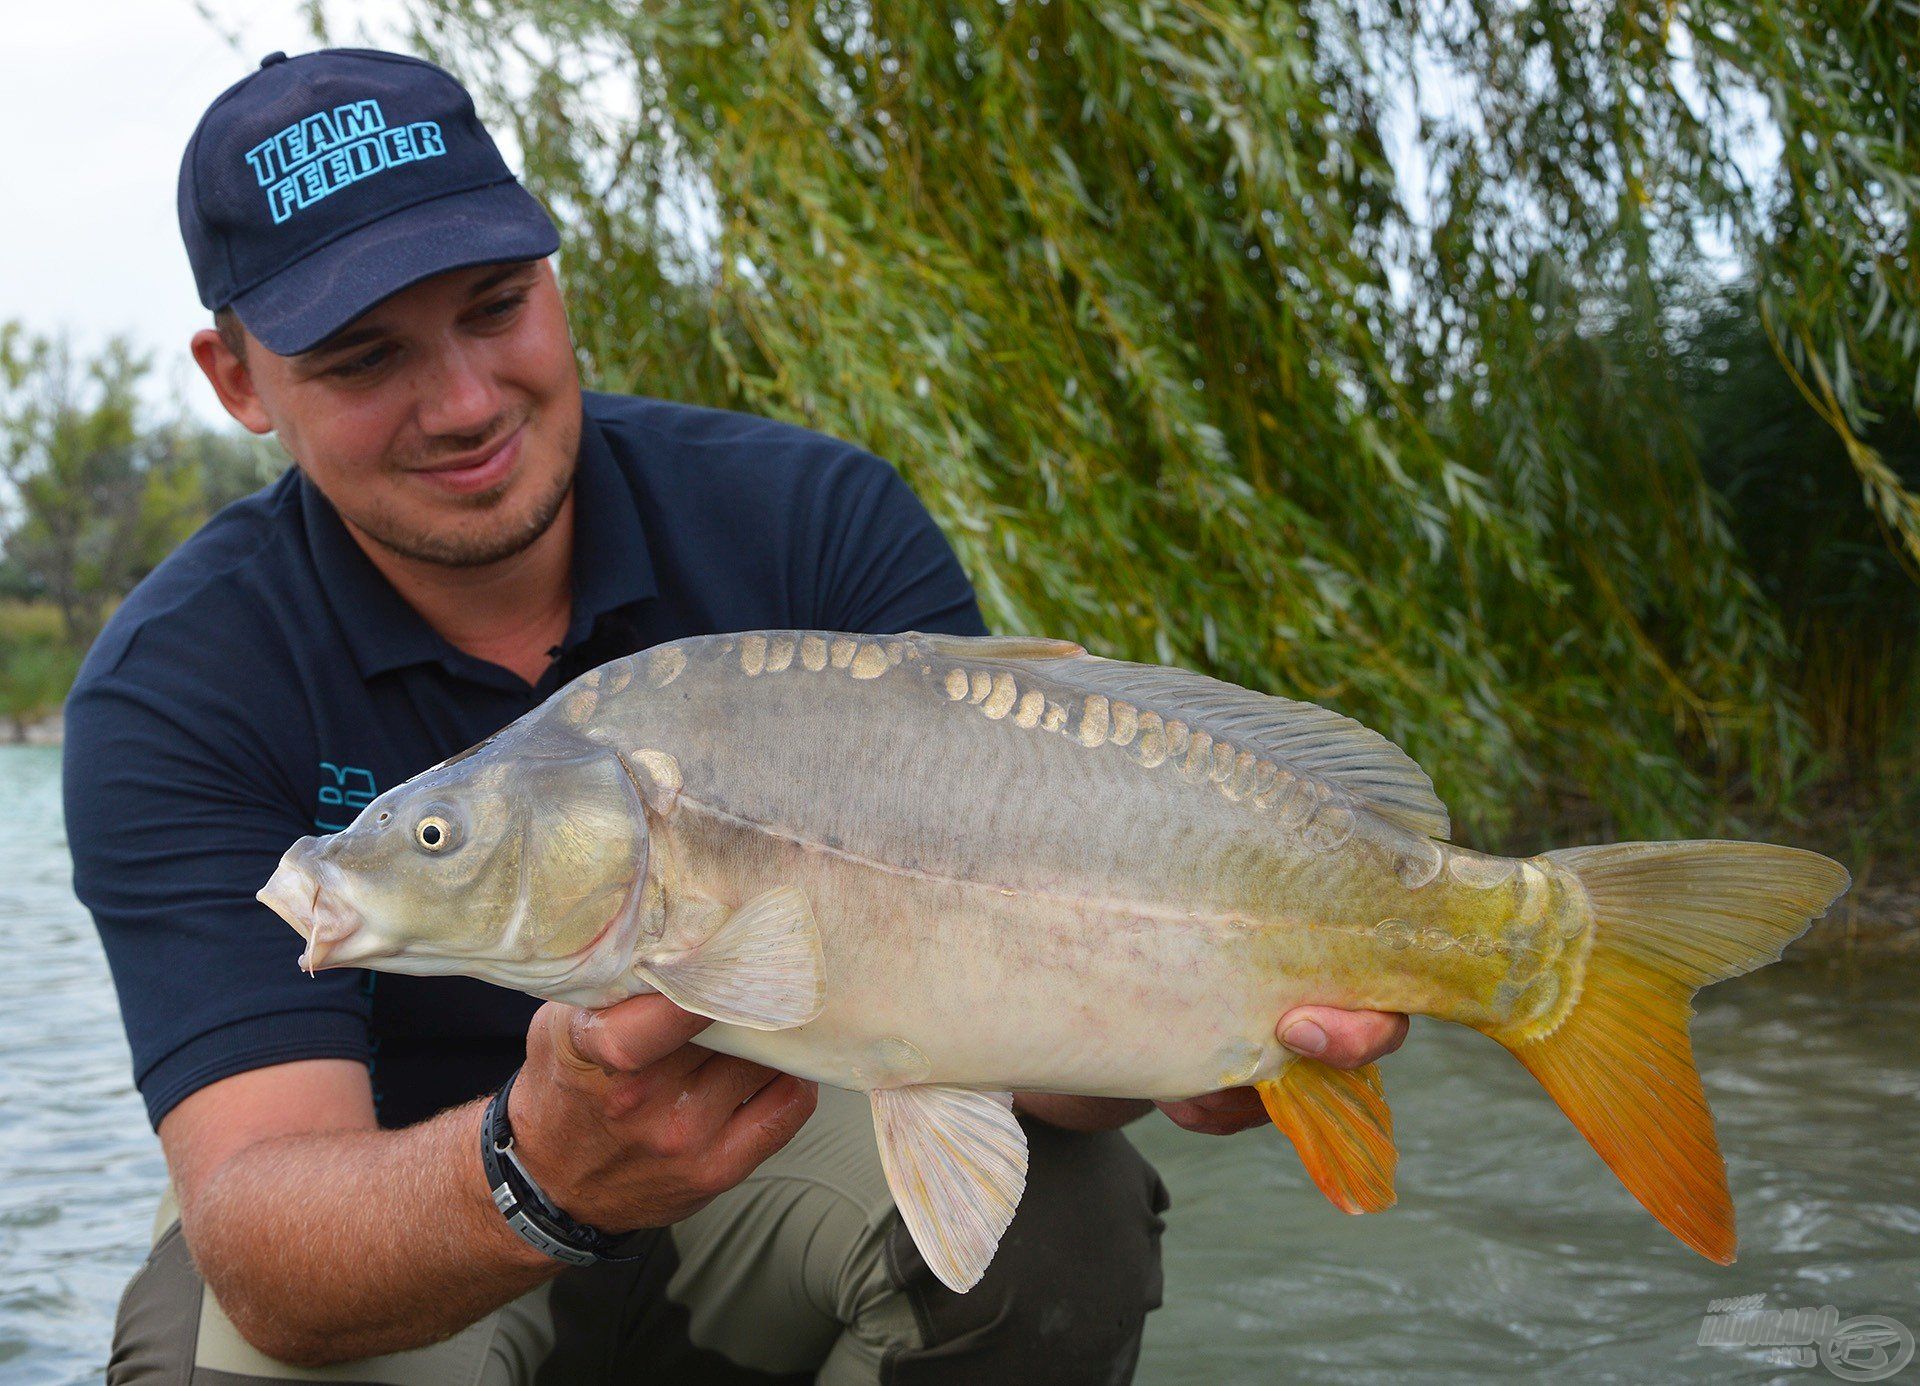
[1304, 737]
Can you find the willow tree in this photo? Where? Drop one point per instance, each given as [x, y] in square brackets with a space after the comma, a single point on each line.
[1331, 348]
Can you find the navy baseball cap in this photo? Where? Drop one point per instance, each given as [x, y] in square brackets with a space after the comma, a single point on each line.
[317, 186]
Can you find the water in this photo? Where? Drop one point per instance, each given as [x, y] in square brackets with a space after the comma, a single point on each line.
[1512, 1254]
[79, 1168]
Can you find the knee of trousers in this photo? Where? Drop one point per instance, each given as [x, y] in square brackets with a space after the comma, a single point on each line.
[157, 1326]
[1076, 1274]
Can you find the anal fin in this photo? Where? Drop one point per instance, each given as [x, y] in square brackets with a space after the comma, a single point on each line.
[762, 968]
[1338, 1120]
[956, 1161]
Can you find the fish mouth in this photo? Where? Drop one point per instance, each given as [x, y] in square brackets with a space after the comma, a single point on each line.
[300, 892]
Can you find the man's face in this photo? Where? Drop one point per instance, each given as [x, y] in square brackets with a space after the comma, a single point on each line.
[442, 423]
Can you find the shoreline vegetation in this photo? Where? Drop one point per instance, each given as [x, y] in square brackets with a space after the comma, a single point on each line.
[1536, 386]
[46, 731]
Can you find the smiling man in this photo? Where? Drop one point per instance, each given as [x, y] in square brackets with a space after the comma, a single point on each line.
[463, 532]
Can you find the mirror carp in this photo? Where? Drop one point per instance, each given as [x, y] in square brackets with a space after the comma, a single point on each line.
[942, 869]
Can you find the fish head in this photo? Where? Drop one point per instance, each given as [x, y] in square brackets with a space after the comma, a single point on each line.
[521, 861]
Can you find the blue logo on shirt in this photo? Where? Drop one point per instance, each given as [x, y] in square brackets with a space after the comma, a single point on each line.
[317, 156]
[344, 791]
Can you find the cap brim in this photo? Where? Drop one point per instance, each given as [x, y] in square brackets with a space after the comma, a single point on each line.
[313, 298]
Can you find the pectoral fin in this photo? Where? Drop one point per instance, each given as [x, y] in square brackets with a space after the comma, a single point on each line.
[761, 968]
[956, 1161]
[1338, 1120]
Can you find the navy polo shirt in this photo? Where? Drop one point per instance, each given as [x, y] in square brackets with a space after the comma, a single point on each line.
[266, 682]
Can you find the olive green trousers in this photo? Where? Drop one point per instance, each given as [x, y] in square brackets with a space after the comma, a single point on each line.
[803, 1272]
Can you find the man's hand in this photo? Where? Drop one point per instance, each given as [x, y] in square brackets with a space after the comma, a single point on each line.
[626, 1125]
[1344, 1039]
[286, 1182]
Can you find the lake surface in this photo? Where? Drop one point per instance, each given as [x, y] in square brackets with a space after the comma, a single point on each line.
[1513, 1252]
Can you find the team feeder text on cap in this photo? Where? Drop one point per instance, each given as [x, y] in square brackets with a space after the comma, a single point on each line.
[325, 152]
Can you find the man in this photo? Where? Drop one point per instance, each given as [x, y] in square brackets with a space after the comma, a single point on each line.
[465, 531]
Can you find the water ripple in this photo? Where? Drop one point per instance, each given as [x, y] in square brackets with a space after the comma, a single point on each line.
[79, 1170]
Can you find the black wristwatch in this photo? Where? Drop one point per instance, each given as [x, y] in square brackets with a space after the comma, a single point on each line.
[525, 1204]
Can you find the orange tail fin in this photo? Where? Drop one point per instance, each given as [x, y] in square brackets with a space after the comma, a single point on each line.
[1670, 917]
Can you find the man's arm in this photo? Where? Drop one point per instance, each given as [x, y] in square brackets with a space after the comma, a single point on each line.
[326, 1239]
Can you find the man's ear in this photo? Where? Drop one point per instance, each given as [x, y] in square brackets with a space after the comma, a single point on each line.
[231, 380]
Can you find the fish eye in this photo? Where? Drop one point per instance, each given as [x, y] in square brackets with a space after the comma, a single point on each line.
[433, 833]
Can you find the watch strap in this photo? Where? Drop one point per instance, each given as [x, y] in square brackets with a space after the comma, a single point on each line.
[537, 1219]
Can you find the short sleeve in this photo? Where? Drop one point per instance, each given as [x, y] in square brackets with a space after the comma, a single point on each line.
[175, 817]
[884, 565]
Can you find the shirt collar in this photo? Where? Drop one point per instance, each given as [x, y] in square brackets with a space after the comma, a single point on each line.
[612, 568]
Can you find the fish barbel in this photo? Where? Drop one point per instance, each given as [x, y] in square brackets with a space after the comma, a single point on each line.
[942, 869]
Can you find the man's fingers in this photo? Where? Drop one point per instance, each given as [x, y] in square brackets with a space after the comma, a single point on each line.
[623, 1038]
[766, 1122]
[552, 1031]
[1234, 1123]
[1227, 1101]
[723, 1082]
[1218, 1113]
[1343, 1039]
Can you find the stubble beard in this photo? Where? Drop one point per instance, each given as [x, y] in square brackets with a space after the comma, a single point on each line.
[495, 539]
